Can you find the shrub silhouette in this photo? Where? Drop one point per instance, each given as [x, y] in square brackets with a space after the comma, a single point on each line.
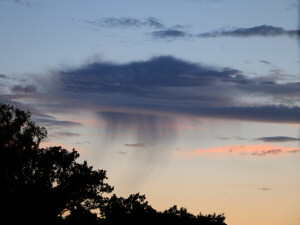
[46, 186]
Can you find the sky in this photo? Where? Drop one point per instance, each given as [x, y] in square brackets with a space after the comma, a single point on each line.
[191, 102]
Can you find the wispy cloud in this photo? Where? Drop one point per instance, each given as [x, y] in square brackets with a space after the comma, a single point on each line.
[268, 152]
[264, 189]
[170, 33]
[138, 145]
[263, 31]
[27, 89]
[64, 134]
[177, 31]
[257, 31]
[277, 139]
[52, 122]
[265, 62]
[22, 2]
[231, 138]
[126, 22]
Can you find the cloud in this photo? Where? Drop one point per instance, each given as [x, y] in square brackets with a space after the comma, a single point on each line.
[162, 71]
[168, 86]
[249, 113]
[51, 122]
[251, 150]
[264, 189]
[232, 138]
[277, 139]
[268, 152]
[138, 145]
[126, 22]
[27, 89]
[263, 31]
[271, 87]
[25, 3]
[146, 98]
[223, 138]
[64, 134]
[169, 33]
[265, 62]
[2, 76]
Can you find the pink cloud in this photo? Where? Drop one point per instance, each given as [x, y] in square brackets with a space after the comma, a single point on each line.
[254, 150]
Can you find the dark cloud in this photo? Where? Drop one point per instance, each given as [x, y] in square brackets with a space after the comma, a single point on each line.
[170, 85]
[138, 145]
[169, 33]
[289, 91]
[144, 76]
[263, 30]
[277, 139]
[126, 22]
[268, 113]
[269, 152]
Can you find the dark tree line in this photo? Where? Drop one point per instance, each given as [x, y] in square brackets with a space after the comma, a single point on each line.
[47, 186]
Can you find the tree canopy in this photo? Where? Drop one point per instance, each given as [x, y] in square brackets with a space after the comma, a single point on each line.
[48, 186]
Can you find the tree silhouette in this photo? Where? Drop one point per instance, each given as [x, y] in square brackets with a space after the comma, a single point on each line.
[39, 185]
[47, 186]
[132, 210]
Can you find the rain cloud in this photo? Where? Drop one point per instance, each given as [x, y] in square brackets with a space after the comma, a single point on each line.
[146, 97]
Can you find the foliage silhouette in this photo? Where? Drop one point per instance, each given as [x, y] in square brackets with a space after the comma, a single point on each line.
[132, 210]
[39, 185]
[47, 186]
[135, 210]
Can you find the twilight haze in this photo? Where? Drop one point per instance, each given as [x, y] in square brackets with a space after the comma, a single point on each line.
[191, 102]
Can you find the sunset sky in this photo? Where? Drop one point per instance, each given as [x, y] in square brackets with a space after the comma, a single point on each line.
[191, 102]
